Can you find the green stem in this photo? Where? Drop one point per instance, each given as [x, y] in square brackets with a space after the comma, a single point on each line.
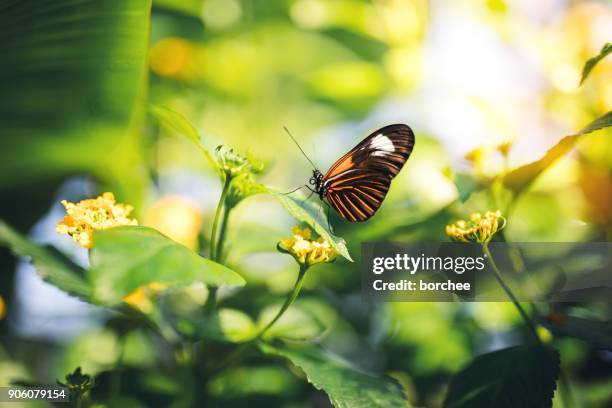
[212, 296]
[222, 234]
[290, 299]
[238, 352]
[220, 207]
[506, 288]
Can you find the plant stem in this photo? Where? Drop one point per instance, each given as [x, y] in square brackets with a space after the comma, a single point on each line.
[222, 232]
[506, 288]
[220, 207]
[290, 299]
[288, 302]
[212, 296]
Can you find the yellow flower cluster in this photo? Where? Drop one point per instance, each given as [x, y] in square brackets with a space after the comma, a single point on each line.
[98, 213]
[479, 228]
[141, 298]
[305, 250]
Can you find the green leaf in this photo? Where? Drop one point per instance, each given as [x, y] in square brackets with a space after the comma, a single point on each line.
[346, 386]
[73, 78]
[125, 258]
[53, 266]
[597, 333]
[242, 187]
[191, 8]
[522, 376]
[178, 124]
[591, 62]
[599, 123]
[520, 178]
[466, 185]
[303, 211]
[228, 325]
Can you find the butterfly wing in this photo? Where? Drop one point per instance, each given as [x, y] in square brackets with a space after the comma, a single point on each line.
[357, 183]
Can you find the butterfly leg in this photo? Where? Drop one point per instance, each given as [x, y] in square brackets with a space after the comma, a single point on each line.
[307, 198]
[319, 212]
[327, 216]
[294, 190]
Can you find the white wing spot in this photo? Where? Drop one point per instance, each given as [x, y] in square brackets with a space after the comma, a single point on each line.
[382, 144]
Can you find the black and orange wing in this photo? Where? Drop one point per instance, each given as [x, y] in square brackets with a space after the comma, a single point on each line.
[357, 183]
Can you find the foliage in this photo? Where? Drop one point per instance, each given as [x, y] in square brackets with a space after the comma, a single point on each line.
[53, 266]
[125, 258]
[305, 212]
[192, 142]
[592, 62]
[519, 179]
[95, 55]
[522, 376]
[345, 385]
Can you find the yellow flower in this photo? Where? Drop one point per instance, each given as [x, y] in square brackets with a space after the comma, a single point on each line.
[176, 217]
[2, 308]
[141, 298]
[305, 250]
[504, 147]
[98, 213]
[479, 228]
[476, 156]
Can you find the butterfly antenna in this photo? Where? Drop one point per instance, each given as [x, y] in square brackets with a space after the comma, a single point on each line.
[299, 147]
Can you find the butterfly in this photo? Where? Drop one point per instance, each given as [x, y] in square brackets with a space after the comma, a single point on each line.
[357, 183]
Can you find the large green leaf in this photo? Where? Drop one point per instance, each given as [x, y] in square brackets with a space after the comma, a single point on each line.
[303, 211]
[73, 77]
[519, 179]
[522, 376]
[192, 8]
[591, 62]
[50, 264]
[125, 258]
[346, 386]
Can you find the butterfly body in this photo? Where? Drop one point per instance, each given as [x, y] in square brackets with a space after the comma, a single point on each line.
[357, 183]
[318, 183]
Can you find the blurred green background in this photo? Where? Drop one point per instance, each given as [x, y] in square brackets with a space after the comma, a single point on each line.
[78, 77]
